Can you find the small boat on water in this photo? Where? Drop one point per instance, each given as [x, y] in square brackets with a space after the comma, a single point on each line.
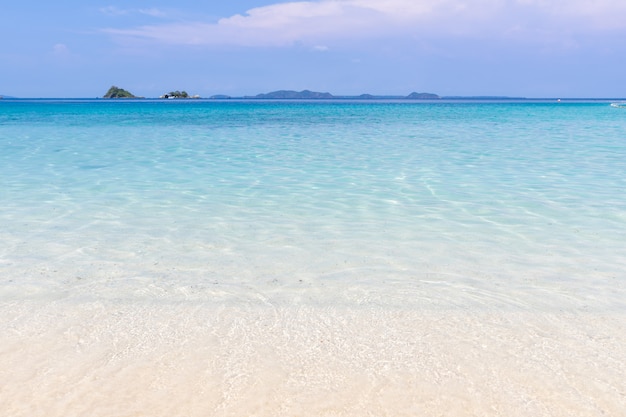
[619, 104]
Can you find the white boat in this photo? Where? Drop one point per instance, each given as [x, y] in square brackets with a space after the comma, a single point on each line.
[619, 104]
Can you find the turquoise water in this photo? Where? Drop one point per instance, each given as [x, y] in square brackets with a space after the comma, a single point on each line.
[461, 205]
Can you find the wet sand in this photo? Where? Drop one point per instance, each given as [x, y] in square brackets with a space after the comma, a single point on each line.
[190, 359]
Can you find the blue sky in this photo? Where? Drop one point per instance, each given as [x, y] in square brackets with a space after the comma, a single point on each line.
[530, 48]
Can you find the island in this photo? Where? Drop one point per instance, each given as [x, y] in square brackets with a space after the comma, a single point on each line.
[116, 92]
[289, 94]
[422, 96]
[178, 94]
[314, 95]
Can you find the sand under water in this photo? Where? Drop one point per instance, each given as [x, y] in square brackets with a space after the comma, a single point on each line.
[187, 360]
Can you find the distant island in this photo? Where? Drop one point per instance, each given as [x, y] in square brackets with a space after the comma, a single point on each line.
[116, 92]
[422, 96]
[178, 94]
[289, 94]
[313, 95]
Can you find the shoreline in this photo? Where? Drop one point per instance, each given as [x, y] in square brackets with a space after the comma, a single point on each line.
[105, 358]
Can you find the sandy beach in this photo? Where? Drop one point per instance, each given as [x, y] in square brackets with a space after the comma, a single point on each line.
[117, 359]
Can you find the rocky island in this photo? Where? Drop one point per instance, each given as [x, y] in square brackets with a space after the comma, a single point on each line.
[178, 94]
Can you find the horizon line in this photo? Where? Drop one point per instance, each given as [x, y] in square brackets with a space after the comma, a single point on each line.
[225, 97]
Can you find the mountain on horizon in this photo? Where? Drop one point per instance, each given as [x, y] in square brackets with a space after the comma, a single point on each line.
[115, 92]
[290, 94]
[308, 95]
[422, 96]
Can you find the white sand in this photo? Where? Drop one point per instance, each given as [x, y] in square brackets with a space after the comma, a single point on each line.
[185, 360]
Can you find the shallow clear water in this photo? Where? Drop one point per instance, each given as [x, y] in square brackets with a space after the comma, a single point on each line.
[421, 205]
[197, 258]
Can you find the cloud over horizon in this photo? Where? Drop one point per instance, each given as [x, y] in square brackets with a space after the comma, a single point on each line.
[321, 21]
[116, 11]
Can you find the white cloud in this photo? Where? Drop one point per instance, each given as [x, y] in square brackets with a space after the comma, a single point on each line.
[607, 14]
[60, 50]
[153, 12]
[60, 54]
[319, 22]
[113, 11]
[116, 11]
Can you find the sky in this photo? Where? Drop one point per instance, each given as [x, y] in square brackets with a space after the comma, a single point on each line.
[518, 48]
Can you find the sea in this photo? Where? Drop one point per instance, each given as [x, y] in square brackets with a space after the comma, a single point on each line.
[312, 258]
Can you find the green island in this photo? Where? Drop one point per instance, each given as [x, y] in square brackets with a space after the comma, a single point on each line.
[116, 92]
